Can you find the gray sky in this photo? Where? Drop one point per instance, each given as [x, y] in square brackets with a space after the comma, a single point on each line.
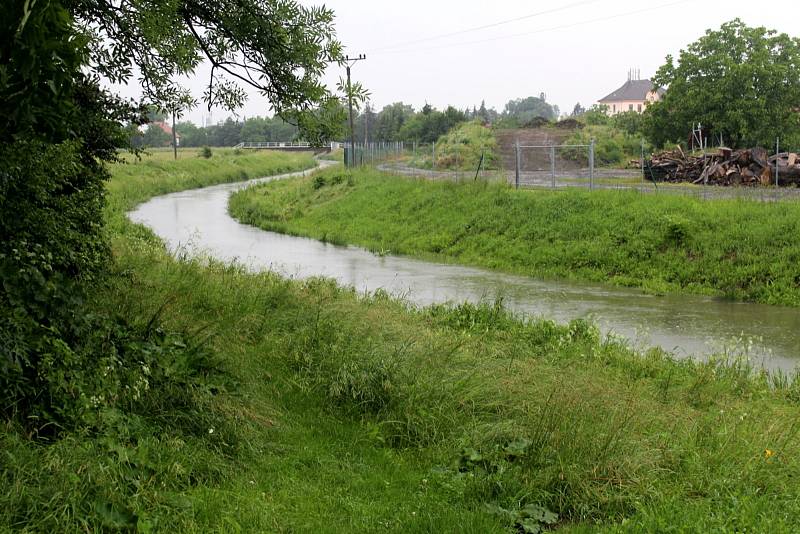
[578, 52]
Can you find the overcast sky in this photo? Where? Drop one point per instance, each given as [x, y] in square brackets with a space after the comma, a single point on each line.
[571, 50]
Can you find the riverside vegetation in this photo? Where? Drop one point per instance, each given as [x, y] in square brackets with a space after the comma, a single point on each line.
[283, 405]
[735, 248]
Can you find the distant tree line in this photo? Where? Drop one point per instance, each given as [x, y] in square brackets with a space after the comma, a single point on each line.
[395, 122]
[400, 122]
[228, 133]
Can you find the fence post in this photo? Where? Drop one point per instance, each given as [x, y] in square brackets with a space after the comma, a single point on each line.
[516, 157]
[553, 165]
[591, 164]
[642, 161]
[480, 165]
[433, 161]
[777, 158]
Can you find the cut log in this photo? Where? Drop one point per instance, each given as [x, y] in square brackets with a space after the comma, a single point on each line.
[766, 176]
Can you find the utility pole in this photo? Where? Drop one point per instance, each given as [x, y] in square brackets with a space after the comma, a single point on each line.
[350, 62]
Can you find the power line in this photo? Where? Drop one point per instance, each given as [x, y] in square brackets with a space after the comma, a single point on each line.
[542, 30]
[487, 26]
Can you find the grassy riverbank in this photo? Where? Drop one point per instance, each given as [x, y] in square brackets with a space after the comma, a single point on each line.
[740, 249]
[331, 411]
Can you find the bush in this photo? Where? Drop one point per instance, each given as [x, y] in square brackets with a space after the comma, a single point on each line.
[205, 152]
[613, 147]
[63, 363]
[463, 146]
[537, 122]
[596, 116]
[629, 122]
[319, 182]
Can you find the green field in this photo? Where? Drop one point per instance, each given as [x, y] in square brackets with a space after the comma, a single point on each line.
[330, 411]
[734, 248]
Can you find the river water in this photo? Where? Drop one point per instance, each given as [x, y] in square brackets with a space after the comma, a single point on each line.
[688, 326]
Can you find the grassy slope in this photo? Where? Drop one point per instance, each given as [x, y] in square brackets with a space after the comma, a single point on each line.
[353, 413]
[461, 149]
[741, 249]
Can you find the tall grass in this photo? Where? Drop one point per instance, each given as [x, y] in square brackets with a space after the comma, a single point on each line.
[614, 147]
[345, 412]
[461, 149]
[736, 248]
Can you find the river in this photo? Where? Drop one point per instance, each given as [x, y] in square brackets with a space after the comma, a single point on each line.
[688, 326]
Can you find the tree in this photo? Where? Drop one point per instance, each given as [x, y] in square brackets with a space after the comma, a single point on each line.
[630, 122]
[280, 48]
[523, 110]
[191, 135]
[483, 113]
[597, 115]
[263, 130]
[390, 121]
[739, 82]
[58, 128]
[578, 110]
[154, 137]
[428, 127]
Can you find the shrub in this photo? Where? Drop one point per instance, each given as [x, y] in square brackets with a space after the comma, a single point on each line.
[596, 116]
[205, 152]
[613, 147]
[319, 182]
[463, 146]
[537, 122]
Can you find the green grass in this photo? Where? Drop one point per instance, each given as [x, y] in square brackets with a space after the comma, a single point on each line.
[334, 155]
[136, 181]
[736, 248]
[613, 147]
[461, 149]
[350, 413]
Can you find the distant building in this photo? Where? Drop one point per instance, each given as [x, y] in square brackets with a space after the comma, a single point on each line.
[168, 130]
[635, 95]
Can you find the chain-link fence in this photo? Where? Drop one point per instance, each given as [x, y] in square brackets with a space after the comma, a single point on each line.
[360, 154]
[554, 165]
[551, 166]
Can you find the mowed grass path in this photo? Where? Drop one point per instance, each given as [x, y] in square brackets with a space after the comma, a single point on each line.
[341, 412]
[662, 243]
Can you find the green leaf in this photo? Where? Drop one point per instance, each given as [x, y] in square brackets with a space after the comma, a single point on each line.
[518, 448]
[115, 517]
[539, 513]
[530, 526]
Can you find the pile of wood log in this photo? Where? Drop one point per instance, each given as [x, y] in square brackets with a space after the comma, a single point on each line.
[725, 167]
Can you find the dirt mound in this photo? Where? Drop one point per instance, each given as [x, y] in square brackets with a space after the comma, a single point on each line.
[533, 159]
[569, 124]
[536, 122]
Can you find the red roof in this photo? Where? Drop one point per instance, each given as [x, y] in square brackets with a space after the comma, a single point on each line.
[165, 127]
